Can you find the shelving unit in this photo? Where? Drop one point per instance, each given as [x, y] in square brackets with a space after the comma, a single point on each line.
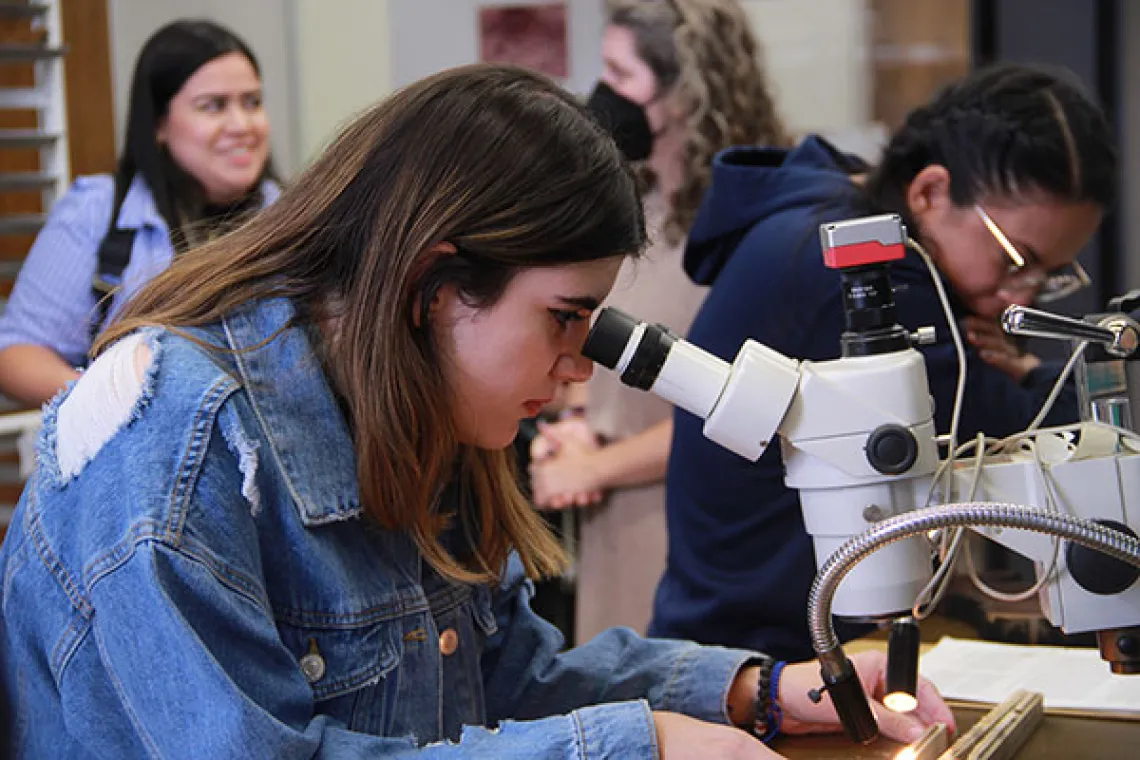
[46, 97]
[34, 113]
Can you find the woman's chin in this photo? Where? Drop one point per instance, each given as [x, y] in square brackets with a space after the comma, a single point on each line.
[492, 439]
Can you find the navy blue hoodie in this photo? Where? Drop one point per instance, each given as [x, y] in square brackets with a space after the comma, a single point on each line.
[740, 562]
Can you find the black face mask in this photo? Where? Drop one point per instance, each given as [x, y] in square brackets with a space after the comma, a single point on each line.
[624, 120]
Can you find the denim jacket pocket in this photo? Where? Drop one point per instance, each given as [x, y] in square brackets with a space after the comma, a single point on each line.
[350, 669]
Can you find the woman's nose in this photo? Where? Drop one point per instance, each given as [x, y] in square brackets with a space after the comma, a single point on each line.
[573, 368]
[237, 118]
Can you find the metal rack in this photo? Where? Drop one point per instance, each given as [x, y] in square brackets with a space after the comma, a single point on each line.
[47, 98]
[44, 50]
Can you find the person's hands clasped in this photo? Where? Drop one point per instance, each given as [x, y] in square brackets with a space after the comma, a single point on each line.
[998, 349]
[562, 472]
[802, 716]
[680, 737]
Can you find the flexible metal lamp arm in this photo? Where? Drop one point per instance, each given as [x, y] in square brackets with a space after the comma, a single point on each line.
[837, 672]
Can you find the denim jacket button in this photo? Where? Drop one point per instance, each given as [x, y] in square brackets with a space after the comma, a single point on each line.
[313, 666]
[448, 642]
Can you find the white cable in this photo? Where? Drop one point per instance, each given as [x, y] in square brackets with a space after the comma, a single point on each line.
[1035, 589]
[1057, 386]
[1046, 475]
[935, 590]
[1011, 598]
[952, 542]
[931, 595]
[959, 347]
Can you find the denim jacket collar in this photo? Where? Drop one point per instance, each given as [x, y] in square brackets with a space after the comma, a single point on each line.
[295, 406]
[139, 209]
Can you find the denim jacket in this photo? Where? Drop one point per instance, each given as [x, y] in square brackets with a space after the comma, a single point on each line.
[201, 582]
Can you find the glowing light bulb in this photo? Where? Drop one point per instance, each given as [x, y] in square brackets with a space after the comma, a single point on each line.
[900, 702]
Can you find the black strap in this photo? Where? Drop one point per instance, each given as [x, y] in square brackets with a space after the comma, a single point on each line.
[112, 260]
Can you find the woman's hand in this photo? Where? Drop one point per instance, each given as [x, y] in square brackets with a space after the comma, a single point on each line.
[562, 471]
[680, 737]
[998, 349]
[802, 716]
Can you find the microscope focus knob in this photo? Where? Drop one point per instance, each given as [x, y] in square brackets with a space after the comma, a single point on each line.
[1098, 573]
[892, 449]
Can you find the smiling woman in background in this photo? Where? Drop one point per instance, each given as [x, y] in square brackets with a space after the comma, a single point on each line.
[195, 161]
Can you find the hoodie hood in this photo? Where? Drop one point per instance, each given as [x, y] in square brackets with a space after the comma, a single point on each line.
[750, 184]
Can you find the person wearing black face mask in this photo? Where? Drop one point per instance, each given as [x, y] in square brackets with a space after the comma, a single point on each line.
[674, 91]
[624, 119]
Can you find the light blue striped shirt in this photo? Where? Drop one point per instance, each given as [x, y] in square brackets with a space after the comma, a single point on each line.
[52, 304]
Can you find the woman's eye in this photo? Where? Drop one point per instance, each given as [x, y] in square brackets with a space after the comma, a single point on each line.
[252, 102]
[567, 317]
[213, 105]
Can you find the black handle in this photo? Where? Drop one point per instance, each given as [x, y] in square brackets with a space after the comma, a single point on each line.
[851, 704]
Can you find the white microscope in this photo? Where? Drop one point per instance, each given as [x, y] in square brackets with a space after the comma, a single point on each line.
[858, 443]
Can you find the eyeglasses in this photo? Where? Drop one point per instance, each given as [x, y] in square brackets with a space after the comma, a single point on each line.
[1025, 271]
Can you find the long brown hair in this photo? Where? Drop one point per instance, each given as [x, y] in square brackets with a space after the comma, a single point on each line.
[705, 52]
[496, 160]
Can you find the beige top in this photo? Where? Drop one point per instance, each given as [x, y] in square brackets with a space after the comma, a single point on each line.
[621, 554]
[653, 288]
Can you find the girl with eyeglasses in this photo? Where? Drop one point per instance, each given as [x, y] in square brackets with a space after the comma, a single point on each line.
[1002, 177]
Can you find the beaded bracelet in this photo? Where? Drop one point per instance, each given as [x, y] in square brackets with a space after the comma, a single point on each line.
[768, 714]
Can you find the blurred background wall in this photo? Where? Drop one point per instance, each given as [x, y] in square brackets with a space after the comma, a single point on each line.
[323, 60]
[848, 68]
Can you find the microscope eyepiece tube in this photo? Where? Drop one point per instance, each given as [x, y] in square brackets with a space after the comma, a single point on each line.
[651, 357]
[635, 350]
[609, 338]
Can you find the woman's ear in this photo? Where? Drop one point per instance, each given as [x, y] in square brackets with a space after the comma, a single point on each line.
[929, 192]
[420, 310]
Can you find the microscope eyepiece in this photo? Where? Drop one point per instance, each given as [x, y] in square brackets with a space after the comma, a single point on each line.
[636, 350]
[608, 337]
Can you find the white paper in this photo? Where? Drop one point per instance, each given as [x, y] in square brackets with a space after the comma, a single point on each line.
[980, 671]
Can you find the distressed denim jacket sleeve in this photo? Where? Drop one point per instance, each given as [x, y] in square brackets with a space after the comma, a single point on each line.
[527, 673]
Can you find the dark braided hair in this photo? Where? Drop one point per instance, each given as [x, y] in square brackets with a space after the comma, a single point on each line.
[1007, 129]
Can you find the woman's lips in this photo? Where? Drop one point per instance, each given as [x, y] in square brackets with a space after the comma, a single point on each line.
[535, 406]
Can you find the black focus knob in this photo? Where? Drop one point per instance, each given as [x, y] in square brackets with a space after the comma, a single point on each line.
[1099, 573]
[892, 449]
[1128, 645]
